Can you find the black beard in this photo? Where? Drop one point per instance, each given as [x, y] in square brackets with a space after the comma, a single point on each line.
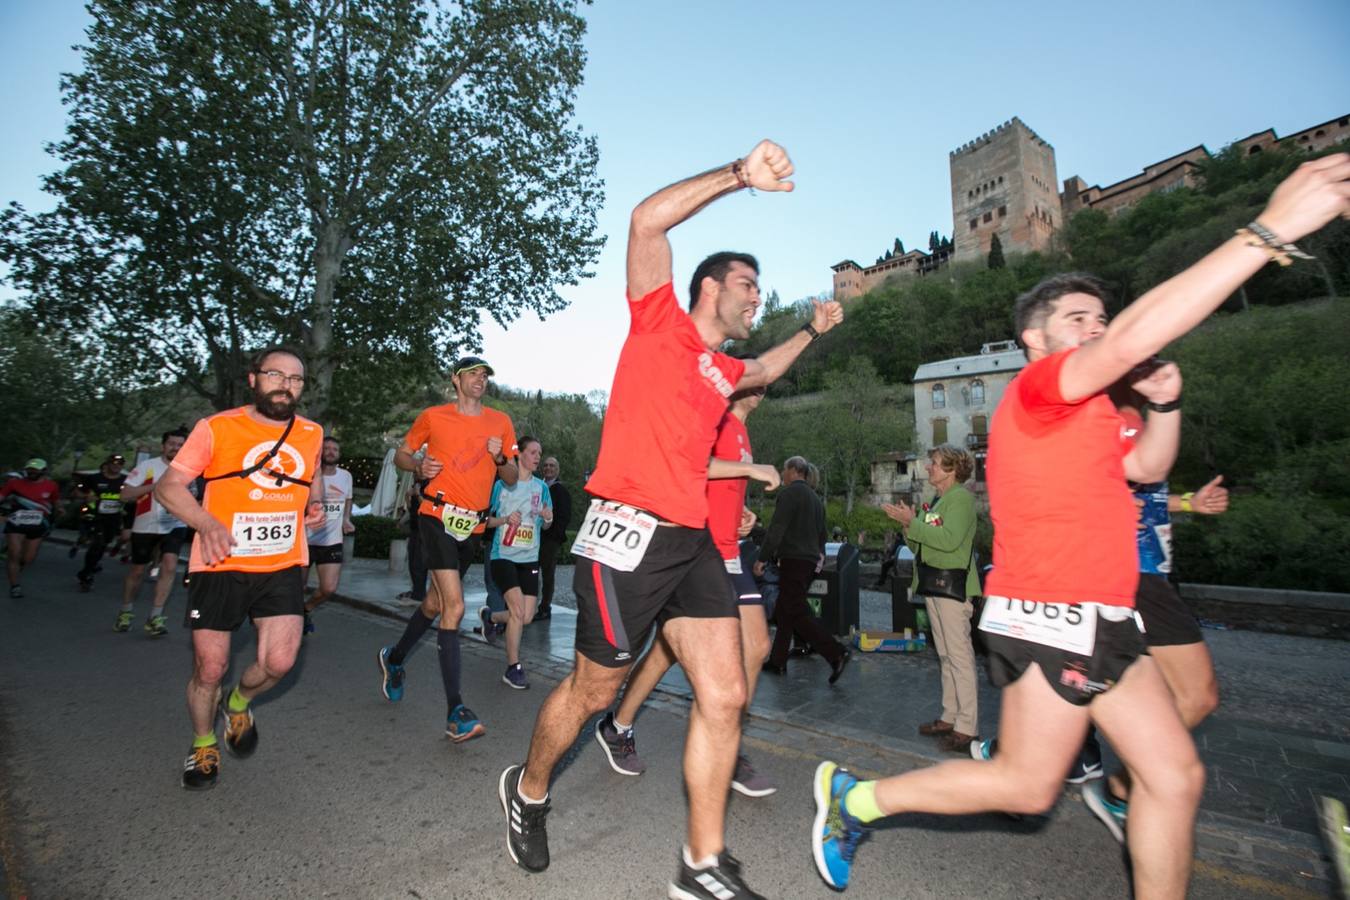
[276, 405]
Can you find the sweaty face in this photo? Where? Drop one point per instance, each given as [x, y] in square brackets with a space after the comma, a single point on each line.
[1075, 320]
[738, 301]
[276, 395]
[171, 447]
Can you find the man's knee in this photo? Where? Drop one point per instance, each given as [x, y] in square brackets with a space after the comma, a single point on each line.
[277, 661]
[1200, 701]
[209, 671]
[594, 687]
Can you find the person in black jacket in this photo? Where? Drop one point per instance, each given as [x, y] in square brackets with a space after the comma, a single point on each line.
[796, 542]
[553, 538]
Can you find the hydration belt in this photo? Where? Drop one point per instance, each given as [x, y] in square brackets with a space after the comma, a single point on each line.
[281, 477]
[439, 499]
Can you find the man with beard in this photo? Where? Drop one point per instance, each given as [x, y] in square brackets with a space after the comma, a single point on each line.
[35, 497]
[103, 491]
[325, 541]
[646, 555]
[156, 536]
[249, 554]
[468, 446]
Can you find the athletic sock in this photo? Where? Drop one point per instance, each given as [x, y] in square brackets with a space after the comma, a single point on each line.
[127, 607]
[157, 611]
[529, 800]
[204, 740]
[861, 802]
[417, 626]
[237, 702]
[706, 863]
[621, 729]
[447, 646]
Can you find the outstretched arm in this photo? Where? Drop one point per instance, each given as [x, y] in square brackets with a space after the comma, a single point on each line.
[766, 168]
[770, 365]
[1317, 192]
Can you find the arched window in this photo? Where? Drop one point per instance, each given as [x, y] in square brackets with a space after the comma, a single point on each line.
[939, 397]
[977, 393]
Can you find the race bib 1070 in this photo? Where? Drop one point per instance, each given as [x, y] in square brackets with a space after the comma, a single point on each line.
[1064, 626]
[614, 535]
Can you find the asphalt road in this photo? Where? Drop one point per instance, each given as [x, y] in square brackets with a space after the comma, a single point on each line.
[350, 796]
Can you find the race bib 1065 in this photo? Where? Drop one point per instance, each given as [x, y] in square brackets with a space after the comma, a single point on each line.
[1064, 626]
[614, 535]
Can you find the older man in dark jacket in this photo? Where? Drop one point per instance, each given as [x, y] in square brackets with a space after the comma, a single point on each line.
[554, 537]
[796, 542]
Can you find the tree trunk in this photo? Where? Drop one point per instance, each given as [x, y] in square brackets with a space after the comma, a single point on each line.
[330, 249]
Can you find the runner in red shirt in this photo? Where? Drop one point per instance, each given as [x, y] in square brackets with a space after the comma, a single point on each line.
[31, 501]
[263, 486]
[729, 471]
[1059, 620]
[647, 554]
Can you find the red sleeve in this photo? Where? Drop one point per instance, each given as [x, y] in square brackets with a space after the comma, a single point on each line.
[730, 366]
[419, 433]
[509, 448]
[195, 456]
[656, 311]
[1038, 387]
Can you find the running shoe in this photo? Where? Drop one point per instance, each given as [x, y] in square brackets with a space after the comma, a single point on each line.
[745, 780]
[124, 620]
[15, 592]
[515, 677]
[156, 626]
[309, 625]
[983, 751]
[835, 834]
[462, 724]
[721, 881]
[241, 734]
[201, 768]
[1108, 809]
[526, 823]
[1088, 765]
[392, 677]
[86, 582]
[619, 746]
[489, 627]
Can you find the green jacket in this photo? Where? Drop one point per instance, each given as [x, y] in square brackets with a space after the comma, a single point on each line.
[946, 546]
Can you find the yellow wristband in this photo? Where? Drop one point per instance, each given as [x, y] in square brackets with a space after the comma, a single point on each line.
[1186, 501]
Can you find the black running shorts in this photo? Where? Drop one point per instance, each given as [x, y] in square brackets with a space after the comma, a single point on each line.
[1074, 677]
[1167, 621]
[507, 574]
[440, 550]
[682, 574]
[221, 601]
[31, 532]
[325, 554]
[148, 547]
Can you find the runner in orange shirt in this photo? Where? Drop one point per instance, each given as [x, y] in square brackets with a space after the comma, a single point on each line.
[469, 446]
[263, 486]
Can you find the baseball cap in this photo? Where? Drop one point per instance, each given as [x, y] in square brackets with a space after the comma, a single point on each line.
[36, 463]
[465, 363]
[117, 458]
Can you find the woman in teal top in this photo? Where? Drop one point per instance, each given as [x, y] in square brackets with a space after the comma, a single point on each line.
[942, 536]
[519, 513]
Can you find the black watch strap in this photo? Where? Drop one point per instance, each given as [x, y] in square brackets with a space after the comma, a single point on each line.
[811, 330]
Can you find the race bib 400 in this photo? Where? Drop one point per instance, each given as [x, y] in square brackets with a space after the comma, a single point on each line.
[264, 534]
[614, 535]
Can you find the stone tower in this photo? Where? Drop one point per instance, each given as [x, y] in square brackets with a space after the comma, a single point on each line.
[1004, 183]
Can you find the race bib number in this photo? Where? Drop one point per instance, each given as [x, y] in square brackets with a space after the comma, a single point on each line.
[264, 534]
[733, 566]
[332, 510]
[26, 517]
[615, 536]
[109, 506]
[1064, 626]
[524, 536]
[459, 523]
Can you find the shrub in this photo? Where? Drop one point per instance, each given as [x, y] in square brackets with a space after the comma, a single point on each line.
[373, 534]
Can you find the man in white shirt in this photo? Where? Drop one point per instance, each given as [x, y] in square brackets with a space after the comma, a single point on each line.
[157, 536]
[325, 541]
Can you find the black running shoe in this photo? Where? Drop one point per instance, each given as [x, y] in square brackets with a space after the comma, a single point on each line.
[526, 831]
[719, 882]
[241, 735]
[201, 768]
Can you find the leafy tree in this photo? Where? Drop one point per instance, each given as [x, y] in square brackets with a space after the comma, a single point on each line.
[996, 260]
[363, 177]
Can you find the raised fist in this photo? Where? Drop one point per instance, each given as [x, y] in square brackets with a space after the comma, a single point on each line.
[767, 167]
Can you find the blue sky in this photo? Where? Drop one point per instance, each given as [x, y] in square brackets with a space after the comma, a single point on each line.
[868, 98]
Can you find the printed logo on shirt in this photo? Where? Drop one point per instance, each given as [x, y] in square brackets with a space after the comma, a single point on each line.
[714, 375]
[1128, 432]
[287, 461]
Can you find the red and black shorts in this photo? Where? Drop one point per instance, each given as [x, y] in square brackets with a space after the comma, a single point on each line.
[1167, 621]
[682, 574]
[743, 583]
[1076, 678]
[507, 574]
[440, 550]
[149, 547]
[221, 601]
[325, 554]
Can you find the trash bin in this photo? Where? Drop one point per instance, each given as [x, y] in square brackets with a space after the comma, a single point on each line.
[904, 608]
[833, 594]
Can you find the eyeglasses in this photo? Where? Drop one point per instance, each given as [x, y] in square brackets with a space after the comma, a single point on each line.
[276, 377]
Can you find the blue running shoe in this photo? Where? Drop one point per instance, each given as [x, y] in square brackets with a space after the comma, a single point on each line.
[462, 724]
[983, 751]
[392, 685]
[1108, 809]
[835, 834]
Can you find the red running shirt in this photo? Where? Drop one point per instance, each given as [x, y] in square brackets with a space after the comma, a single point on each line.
[726, 496]
[1064, 518]
[669, 394]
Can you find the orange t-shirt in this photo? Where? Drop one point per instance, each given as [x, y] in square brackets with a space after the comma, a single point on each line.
[459, 442]
[265, 518]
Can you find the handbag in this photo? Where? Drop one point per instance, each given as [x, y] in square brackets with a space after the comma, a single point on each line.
[935, 582]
